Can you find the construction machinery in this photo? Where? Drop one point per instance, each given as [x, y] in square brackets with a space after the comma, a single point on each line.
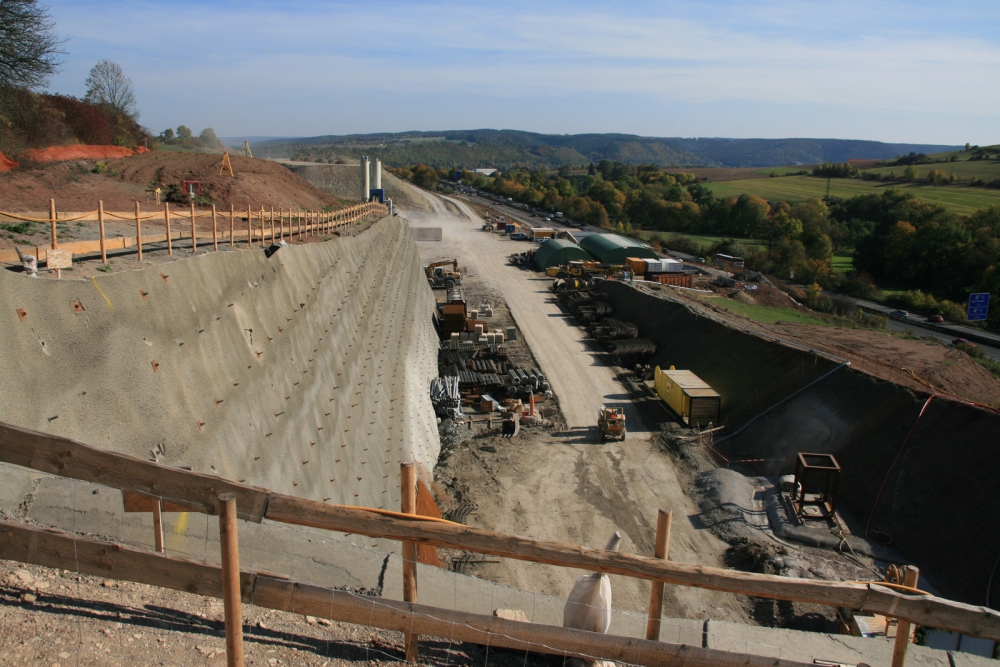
[611, 422]
[579, 268]
[439, 276]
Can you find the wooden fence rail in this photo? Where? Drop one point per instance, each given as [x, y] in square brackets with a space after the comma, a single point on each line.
[255, 227]
[57, 549]
[69, 458]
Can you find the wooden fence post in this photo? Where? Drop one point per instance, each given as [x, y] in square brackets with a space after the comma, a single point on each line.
[52, 220]
[408, 499]
[158, 521]
[249, 229]
[194, 232]
[138, 230]
[229, 537]
[272, 224]
[100, 224]
[232, 226]
[215, 229]
[166, 220]
[910, 578]
[261, 214]
[663, 521]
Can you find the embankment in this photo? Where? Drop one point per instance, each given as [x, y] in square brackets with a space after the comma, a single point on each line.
[344, 181]
[305, 372]
[939, 497]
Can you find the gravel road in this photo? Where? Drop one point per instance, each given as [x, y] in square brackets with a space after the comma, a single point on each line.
[570, 486]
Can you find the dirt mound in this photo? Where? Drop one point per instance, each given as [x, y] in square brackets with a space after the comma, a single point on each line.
[6, 164]
[79, 152]
[76, 187]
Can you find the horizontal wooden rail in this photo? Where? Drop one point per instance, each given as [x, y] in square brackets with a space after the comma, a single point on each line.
[66, 551]
[69, 458]
[337, 220]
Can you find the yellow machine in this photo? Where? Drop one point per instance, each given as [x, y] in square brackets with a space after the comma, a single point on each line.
[611, 421]
[439, 276]
[579, 268]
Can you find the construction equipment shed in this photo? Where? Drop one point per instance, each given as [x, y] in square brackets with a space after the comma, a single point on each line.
[613, 249]
[556, 252]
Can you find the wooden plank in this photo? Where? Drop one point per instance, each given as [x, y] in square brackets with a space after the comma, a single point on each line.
[925, 610]
[69, 458]
[408, 500]
[134, 501]
[57, 549]
[662, 550]
[490, 631]
[229, 539]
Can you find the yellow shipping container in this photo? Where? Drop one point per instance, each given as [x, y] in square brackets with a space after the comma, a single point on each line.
[688, 395]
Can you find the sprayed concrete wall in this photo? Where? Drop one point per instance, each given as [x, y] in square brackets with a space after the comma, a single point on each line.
[306, 373]
[939, 495]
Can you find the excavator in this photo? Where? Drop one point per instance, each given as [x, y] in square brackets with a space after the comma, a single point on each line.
[439, 276]
[611, 422]
[579, 268]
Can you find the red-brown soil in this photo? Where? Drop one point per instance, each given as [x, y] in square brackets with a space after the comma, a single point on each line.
[75, 187]
[78, 152]
[6, 164]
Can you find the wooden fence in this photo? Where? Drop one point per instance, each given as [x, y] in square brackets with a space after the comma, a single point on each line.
[204, 493]
[249, 226]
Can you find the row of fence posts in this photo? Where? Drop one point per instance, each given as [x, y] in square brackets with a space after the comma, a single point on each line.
[299, 225]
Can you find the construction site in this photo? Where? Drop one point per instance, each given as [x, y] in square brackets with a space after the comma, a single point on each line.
[316, 415]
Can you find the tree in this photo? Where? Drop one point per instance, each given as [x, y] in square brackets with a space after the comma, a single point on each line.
[911, 173]
[28, 46]
[108, 86]
[183, 132]
[209, 138]
[167, 134]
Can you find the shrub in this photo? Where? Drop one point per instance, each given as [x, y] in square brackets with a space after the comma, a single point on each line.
[970, 350]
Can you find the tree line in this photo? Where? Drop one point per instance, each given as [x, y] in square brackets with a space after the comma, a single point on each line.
[894, 237]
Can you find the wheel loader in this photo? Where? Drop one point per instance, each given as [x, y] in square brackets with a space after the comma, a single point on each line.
[611, 422]
[439, 276]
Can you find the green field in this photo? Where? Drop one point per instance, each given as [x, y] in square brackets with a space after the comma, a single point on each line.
[794, 189]
[842, 263]
[766, 314]
[987, 170]
[704, 241]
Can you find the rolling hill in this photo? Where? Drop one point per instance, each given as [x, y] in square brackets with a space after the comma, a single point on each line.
[512, 148]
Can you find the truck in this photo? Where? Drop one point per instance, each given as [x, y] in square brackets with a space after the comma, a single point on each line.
[439, 276]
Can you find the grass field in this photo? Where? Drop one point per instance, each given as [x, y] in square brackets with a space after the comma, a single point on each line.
[961, 200]
[704, 241]
[842, 263]
[766, 314]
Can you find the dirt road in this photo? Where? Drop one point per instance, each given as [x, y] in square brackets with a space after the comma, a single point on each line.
[570, 486]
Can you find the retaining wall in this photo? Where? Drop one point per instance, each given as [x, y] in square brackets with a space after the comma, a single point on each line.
[306, 372]
[939, 501]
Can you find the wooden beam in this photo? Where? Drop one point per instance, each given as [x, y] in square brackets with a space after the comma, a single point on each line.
[66, 551]
[229, 539]
[662, 550]
[68, 458]
[408, 500]
[910, 578]
[925, 610]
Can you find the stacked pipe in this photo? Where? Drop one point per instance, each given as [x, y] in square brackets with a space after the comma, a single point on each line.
[525, 383]
[445, 397]
[612, 329]
[628, 352]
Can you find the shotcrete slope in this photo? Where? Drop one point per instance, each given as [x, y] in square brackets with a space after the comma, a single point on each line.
[937, 497]
[305, 373]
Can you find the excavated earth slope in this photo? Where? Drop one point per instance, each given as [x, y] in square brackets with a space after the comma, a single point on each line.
[305, 373]
[932, 499]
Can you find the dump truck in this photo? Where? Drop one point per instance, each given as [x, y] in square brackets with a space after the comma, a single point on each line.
[439, 276]
[611, 421]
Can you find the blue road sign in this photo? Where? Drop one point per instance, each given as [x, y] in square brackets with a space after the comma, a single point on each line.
[979, 304]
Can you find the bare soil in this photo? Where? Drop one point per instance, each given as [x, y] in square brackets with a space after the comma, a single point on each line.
[76, 187]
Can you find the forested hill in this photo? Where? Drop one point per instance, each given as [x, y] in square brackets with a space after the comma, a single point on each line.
[505, 149]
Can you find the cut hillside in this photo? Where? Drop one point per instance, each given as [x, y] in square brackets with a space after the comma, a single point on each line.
[77, 186]
[344, 182]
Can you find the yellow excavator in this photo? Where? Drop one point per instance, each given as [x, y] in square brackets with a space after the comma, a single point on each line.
[439, 276]
[579, 268]
[611, 422]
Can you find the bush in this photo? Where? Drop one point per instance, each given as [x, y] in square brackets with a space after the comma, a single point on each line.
[919, 301]
[816, 300]
[970, 350]
[679, 244]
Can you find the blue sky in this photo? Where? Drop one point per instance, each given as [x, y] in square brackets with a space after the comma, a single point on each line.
[883, 70]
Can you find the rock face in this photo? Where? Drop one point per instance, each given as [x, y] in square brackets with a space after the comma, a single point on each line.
[306, 372]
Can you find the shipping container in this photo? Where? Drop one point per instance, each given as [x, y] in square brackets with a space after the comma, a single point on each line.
[637, 265]
[664, 266]
[510, 229]
[541, 233]
[694, 401]
[676, 279]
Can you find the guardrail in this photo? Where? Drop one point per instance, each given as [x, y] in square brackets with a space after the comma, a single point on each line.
[198, 492]
[256, 227]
